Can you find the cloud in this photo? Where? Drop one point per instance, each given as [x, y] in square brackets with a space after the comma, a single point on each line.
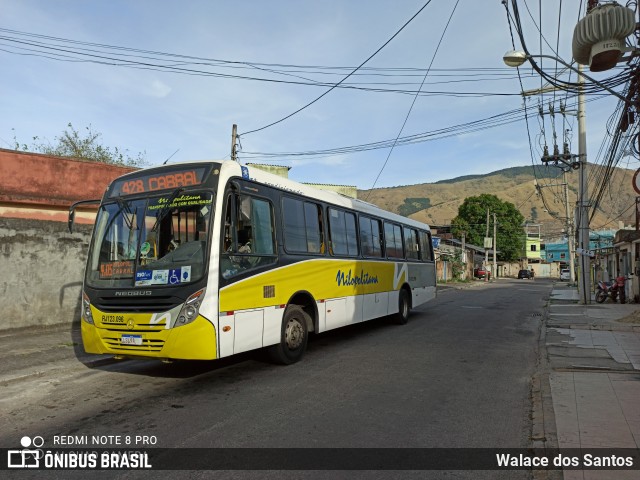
[159, 89]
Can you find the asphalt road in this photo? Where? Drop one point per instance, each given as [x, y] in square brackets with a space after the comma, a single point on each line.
[457, 375]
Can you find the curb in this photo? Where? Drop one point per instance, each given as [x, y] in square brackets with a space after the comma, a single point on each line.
[543, 433]
[604, 327]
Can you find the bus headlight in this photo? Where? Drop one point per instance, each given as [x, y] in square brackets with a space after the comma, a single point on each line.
[87, 316]
[190, 309]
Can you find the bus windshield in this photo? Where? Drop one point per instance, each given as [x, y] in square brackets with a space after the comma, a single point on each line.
[159, 241]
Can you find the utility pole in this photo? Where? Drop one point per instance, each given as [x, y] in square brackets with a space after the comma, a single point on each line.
[495, 242]
[486, 251]
[583, 216]
[568, 220]
[234, 138]
[584, 280]
[464, 255]
[568, 161]
[570, 237]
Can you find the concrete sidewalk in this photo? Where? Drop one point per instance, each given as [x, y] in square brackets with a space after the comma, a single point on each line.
[593, 356]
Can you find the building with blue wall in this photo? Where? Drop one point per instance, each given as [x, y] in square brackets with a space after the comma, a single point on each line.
[599, 241]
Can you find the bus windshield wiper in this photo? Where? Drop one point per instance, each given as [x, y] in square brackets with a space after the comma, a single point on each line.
[124, 206]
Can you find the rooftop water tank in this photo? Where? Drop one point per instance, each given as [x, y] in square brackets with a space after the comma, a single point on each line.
[598, 39]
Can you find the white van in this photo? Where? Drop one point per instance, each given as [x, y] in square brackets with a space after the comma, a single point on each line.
[565, 274]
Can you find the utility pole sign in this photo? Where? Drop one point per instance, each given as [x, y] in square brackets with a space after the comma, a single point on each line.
[636, 181]
[636, 187]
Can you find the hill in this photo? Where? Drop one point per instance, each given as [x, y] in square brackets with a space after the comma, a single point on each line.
[437, 203]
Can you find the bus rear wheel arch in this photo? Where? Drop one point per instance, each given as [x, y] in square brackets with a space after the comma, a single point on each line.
[294, 335]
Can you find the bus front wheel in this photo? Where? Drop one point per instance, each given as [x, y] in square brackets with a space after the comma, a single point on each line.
[293, 337]
[404, 308]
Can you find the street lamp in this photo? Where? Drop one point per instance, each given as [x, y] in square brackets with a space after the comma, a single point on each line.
[515, 58]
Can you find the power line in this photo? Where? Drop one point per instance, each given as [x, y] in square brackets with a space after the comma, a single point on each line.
[341, 81]
[114, 61]
[395, 142]
[498, 120]
[68, 50]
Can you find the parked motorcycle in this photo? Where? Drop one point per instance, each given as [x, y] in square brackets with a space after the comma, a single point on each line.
[611, 290]
[606, 290]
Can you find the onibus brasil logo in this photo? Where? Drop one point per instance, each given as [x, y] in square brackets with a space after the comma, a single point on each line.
[32, 456]
[27, 457]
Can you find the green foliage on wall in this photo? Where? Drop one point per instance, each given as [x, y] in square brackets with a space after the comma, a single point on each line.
[87, 146]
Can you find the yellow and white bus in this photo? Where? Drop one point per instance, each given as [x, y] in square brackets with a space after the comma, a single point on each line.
[203, 260]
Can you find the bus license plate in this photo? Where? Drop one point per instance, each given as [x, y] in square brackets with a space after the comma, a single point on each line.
[131, 340]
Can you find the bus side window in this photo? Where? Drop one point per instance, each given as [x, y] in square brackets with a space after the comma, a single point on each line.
[343, 237]
[411, 243]
[313, 227]
[393, 240]
[228, 241]
[303, 226]
[426, 249]
[248, 235]
[370, 237]
[321, 227]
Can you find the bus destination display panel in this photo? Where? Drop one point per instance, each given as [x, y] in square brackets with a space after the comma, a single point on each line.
[163, 180]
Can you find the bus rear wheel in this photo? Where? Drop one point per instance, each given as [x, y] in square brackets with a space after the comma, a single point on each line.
[404, 308]
[293, 337]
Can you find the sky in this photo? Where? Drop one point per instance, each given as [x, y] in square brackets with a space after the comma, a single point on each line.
[163, 113]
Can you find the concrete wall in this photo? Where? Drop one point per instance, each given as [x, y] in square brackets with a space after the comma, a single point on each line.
[41, 263]
[41, 267]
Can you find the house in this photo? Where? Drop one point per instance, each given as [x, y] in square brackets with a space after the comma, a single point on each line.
[622, 258]
[533, 243]
[557, 252]
[450, 252]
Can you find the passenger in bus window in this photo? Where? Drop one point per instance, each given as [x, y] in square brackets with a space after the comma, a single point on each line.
[244, 240]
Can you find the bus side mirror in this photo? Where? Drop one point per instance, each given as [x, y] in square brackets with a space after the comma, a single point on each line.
[72, 212]
[72, 216]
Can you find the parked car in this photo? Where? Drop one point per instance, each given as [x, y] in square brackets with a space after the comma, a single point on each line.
[481, 273]
[524, 274]
[565, 274]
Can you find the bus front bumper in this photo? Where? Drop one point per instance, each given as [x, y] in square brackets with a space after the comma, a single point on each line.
[194, 341]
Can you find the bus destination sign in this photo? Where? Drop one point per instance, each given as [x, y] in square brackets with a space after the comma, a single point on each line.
[151, 182]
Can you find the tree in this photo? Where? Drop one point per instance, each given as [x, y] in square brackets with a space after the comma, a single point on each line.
[472, 220]
[72, 144]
